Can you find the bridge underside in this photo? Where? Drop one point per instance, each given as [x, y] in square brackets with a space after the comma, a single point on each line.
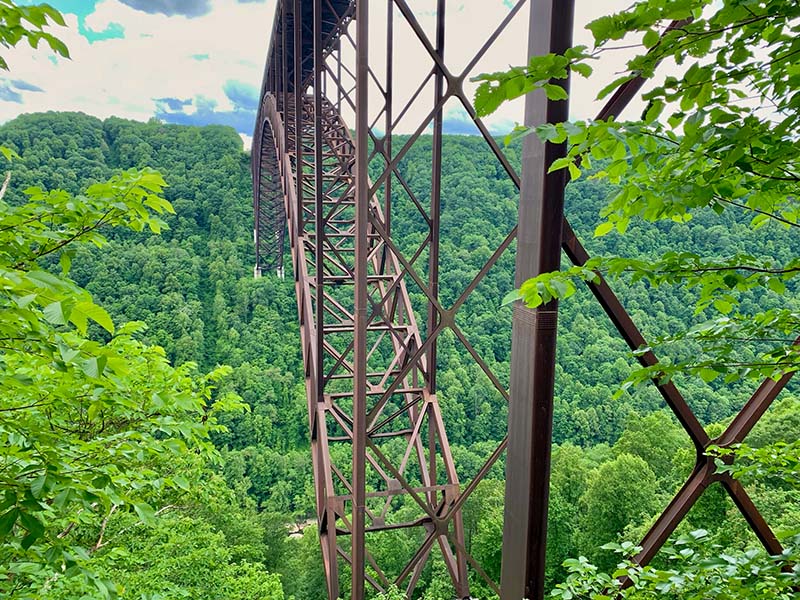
[383, 466]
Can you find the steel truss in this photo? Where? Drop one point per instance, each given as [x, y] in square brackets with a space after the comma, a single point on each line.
[381, 458]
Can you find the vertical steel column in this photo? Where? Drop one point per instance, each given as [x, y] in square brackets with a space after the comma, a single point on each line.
[269, 73]
[284, 77]
[276, 67]
[360, 313]
[533, 352]
[339, 76]
[436, 189]
[297, 20]
[387, 138]
[319, 214]
[331, 566]
[274, 63]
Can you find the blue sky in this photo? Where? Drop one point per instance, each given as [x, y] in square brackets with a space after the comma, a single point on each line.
[182, 61]
[201, 62]
[82, 9]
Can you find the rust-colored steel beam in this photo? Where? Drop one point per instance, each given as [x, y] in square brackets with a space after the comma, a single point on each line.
[533, 352]
[378, 437]
[360, 273]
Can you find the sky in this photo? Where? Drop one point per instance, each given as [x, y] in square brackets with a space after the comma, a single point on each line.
[201, 62]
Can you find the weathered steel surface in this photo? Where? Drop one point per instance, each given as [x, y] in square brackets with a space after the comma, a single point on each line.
[541, 212]
[370, 370]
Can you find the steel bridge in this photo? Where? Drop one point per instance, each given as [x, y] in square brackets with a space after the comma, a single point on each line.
[381, 458]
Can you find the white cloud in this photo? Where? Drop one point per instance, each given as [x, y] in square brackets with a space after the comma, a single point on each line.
[155, 60]
[158, 58]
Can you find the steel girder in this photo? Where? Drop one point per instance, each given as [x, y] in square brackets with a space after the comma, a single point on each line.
[370, 370]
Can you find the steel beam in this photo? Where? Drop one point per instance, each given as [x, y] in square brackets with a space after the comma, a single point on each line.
[360, 292]
[533, 352]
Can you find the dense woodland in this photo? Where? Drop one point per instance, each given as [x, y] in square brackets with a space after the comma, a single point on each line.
[224, 532]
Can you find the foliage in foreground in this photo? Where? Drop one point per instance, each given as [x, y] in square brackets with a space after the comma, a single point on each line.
[93, 422]
[695, 569]
[721, 136]
[105, 448]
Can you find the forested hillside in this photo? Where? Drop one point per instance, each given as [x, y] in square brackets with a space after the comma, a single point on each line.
[620, 457]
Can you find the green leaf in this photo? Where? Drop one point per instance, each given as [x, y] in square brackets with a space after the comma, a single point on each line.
[131, 328]
[603, 229]
[511, 297]
[33, 525]
[94, 410]
[606, 28]
[46, 280]
[9, 500]
[519, 132]
[24, 301]
[96, 313]
[68, 354]
[776, 285]
[651, 38]
[561, 288]
[8, 153]
[555, 92]
[28, 540]
[708, 375]
[145, 512]
[181, 482]
[582, 69]
[22, 378]
[488, 99]
[548, 132]
[94, 366]
[54, 15]
[65, 260]
[56, 313]
[56, 45]
[723, 306]
[612, 87]
[39, 485]
[560, 164]
[7, 521]
[159, 204]
[759, 221]
[654, 111]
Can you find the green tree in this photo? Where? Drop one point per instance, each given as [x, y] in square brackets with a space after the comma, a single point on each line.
[88, 412]
[620, 493]
[658, 440]
[95, 426]
[691, 574]
[28, 23]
